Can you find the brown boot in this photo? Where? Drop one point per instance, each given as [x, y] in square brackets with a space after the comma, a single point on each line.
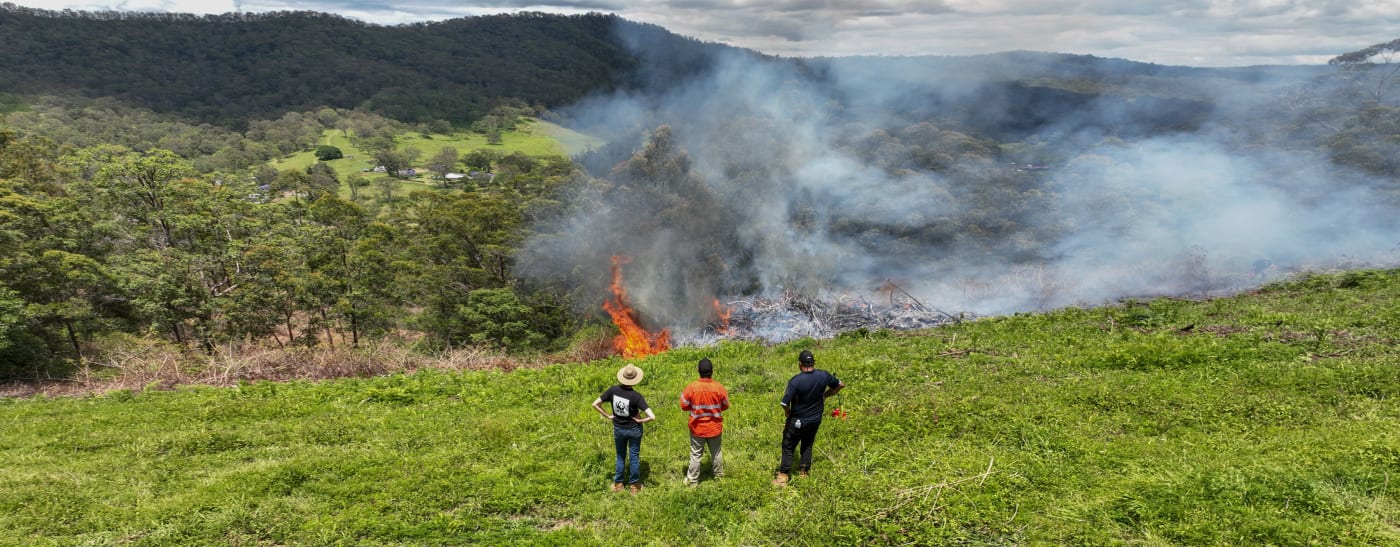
[636, 487]
[781, 479]
[802, 473]
[617, 487]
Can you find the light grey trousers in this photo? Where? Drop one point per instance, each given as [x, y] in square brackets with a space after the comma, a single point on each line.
[697, 449]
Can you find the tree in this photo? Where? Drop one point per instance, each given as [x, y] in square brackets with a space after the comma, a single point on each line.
[1366, 132]
[54, 289]
[328, 117]
[392, 160]
[442, 163]
[411, 154]
[1376, 81]
[13, 336]
[272, 291]
[442, 127]
[72, 283]
[325, 152]
[323, 180]
[11, 318]
[138, 186]
[481, 160]
[265, 176]
[388, 184]
[296, 182]
[356, 181]
[463, 242]
[497, 317]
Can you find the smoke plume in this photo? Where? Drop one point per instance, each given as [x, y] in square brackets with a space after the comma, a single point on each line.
[950, 182]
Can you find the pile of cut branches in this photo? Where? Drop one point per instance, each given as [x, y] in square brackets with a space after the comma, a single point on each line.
[791, 315]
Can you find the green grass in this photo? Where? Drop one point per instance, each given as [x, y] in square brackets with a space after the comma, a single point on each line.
[572, 142]
[533, 137]
[1263, 419]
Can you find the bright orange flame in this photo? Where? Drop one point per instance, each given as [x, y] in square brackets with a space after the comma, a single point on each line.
[632, 341]
[723, 312]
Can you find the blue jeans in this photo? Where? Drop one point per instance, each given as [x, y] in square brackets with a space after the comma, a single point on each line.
[629, 440]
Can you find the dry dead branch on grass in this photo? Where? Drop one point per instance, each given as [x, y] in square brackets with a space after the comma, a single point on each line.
[922, 494]
[157, 366]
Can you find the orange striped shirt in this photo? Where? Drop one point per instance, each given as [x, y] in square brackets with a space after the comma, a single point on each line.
[705, 399]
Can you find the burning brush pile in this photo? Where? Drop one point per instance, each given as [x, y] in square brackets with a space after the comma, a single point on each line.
[792, 315]
[787, 316]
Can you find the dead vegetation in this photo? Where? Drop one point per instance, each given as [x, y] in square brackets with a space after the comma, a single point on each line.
[146, 364]
[792, 315]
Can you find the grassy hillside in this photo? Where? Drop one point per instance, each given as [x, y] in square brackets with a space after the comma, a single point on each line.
[533, 137]
[1267, 418]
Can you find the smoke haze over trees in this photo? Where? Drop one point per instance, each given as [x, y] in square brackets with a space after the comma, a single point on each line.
[978, 190]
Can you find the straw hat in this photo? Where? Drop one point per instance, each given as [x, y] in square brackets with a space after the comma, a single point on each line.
[629, 375]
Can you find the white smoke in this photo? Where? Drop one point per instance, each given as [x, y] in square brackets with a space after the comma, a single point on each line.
[813, 209]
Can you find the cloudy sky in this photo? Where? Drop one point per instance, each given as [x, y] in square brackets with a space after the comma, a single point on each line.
[1175, 32]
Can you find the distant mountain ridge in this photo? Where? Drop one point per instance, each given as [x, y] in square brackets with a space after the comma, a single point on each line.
[227, 69]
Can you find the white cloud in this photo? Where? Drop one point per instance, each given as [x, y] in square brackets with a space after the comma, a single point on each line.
[1181, 32]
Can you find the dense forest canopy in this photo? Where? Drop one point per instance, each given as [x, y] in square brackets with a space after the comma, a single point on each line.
[145, 193]
[227, 69]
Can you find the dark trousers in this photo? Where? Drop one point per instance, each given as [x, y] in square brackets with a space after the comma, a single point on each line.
[792, 436]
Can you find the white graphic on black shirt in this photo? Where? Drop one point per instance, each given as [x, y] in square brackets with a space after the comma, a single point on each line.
[620, 406]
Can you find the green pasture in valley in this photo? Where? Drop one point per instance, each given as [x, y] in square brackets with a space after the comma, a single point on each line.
[354, 159]
[532, 137]
[1270, 418]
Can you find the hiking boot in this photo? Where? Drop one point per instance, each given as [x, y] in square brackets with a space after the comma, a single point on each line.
[636, 487]
[802, 473]
[617, 487]
[781, 479]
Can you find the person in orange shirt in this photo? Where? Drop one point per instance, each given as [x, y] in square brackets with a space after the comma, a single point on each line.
[705, 399]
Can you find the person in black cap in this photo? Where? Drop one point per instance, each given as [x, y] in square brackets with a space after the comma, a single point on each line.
[804, 404]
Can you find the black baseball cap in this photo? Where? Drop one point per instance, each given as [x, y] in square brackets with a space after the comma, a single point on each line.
[806, 358]
[705, 366]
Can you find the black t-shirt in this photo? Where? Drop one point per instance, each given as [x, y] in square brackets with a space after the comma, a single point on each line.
[804, 394]
[626, 404]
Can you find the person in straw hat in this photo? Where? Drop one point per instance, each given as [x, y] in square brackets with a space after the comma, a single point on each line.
[626, 416]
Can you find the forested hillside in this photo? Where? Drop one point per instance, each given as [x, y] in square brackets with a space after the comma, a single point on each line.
[228, 69]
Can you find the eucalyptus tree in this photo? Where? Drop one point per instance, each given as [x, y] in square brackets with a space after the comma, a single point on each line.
[1368, 135]
[443, 162]
[56, 290]
[175, 235]
[346, 272]
[461, 243]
